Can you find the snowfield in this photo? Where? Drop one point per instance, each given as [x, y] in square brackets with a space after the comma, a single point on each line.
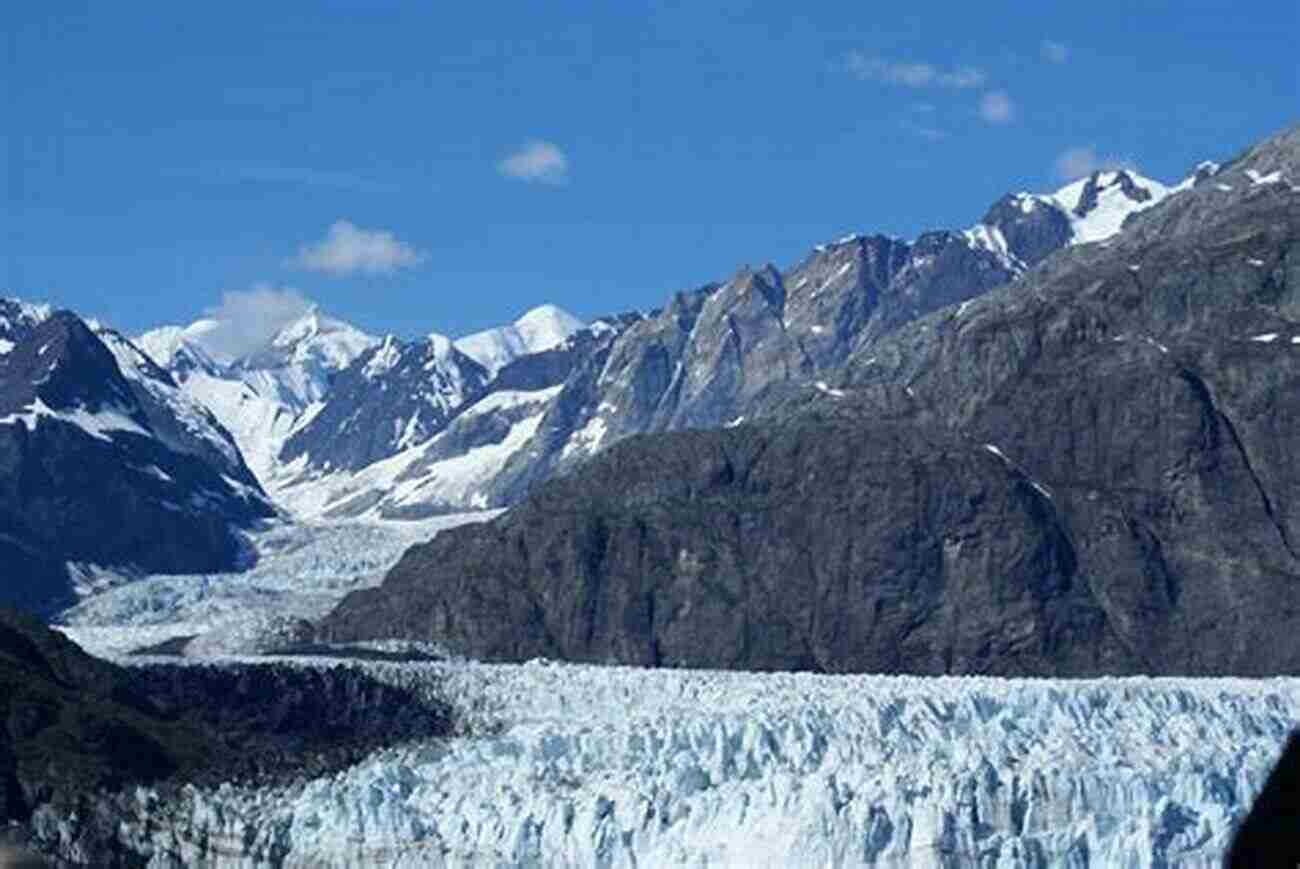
[620, 767]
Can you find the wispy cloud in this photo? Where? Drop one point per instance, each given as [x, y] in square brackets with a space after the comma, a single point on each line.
[538, 161]
[1054, 52]
[247, 319]
[347, 248]
[913, 75]
[1083, 160]
[997, 108]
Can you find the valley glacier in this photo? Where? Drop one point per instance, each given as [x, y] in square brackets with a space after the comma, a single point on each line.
[577, 765]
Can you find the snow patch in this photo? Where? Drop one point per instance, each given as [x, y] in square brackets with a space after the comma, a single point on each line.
[101, 424]
[1257, 179]
[983, 236]
[833, 393]
[383, 360]
[586, 439]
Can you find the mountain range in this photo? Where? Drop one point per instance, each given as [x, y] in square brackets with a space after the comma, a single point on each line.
[1051, 442]
[337, 423]
[1080, 467]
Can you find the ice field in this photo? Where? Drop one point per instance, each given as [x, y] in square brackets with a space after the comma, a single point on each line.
[561, 765]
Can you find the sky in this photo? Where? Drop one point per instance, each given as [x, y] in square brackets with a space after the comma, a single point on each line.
[415, 167]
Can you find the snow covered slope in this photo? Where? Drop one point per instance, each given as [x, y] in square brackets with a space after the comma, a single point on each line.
[263, 396]
[540, 329]
[449, 472]
[618, 767]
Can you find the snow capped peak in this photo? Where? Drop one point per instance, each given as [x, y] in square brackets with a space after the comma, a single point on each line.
[316, 336]
[1098, 204]
[541, 328]
[167, 344]
[546, 326]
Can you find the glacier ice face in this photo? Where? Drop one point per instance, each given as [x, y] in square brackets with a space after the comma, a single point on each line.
[620, 767]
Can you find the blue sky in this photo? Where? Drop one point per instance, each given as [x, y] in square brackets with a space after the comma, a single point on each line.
[420, 167]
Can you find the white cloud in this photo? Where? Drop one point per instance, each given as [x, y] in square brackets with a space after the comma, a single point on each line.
[1054, 52]
[1083, 160]
[913, 75]
[536, 161]
[348, 248]
[247, 319]
[996, 107]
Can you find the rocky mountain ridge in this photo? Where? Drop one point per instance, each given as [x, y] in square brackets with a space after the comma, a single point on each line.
[1085, 471]
[703, 360]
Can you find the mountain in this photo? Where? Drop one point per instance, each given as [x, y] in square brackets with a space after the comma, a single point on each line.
[376, 430]
[104, 461]
[1085, 471]
[540, 329]
[261, 396]
[712, 355]
[322, 402]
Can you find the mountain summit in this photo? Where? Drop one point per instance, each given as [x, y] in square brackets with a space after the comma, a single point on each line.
[540, 329]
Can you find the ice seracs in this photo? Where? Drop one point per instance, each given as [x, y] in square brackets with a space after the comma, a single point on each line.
[573, 766]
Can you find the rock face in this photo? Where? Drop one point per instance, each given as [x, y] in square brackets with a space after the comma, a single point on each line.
[1085, 472]
[102, 460]
[818, 545]
[78, 730]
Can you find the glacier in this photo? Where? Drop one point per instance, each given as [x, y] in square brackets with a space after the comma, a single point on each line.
[300, 571]
[583, 765]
